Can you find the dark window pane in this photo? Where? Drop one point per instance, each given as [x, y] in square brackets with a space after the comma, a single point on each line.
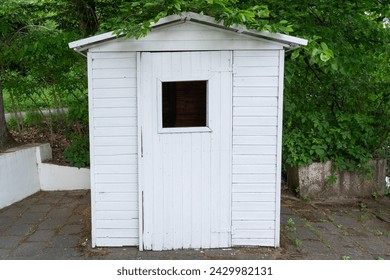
[184, 104]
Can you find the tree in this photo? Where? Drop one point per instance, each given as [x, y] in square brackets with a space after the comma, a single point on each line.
[337, 98]
[337, 103]
[6, 139]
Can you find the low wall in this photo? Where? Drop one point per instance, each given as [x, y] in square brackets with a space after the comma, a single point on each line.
[19, 176]
[312, 181]
[60, 178]
[23, 173]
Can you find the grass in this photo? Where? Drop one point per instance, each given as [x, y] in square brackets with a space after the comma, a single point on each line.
[297, 242]
[290, 226]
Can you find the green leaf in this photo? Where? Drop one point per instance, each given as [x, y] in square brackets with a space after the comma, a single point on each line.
[295, 54]
[324, 46]
[324, 57]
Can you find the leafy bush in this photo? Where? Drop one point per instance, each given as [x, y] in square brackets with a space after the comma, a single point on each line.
[77, 154]
[33, 119]
[78, 111]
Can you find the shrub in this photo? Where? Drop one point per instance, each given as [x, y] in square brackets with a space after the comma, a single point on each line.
[77, 154]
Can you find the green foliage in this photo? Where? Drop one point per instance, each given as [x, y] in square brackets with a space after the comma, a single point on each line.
[78, 111]
[337, 100]
[332, 179]
[297, 242]
[135, 18]
[77, 154]
[363, 206]
[33, 119]
[290, 226]
[375, 195]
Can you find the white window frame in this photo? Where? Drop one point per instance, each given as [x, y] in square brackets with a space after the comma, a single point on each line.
[194, 129]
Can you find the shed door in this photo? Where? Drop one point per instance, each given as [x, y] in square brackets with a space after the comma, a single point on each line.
[186, 142]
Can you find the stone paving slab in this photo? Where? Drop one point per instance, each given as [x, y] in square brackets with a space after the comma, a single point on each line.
[54, 225]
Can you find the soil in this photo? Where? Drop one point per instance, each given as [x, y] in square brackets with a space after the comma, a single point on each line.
[58, 141]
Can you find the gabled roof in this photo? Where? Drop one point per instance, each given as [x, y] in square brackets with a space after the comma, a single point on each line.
[291, 42]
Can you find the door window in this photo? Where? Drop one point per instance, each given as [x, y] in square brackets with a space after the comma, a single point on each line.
[184, 104]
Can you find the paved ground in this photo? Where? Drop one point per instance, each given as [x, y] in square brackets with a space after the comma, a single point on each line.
[55, 225]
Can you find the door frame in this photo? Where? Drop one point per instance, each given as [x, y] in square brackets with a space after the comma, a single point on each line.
[140, 156]
[140, 123]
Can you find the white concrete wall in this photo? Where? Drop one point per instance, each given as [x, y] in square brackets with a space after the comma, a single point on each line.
[18, 175]
[22, 174]
[63, 178]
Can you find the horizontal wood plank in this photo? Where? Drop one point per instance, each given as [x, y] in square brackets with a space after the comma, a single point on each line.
[254, 150]
[116, 187]
[114, 83]
[114, 55]
[116, 169]
[253, 234]
[255, 121]
[254, 197]
[255, 111]
[112, 224]
[115, 150]
[254, 169]
[254, 140]
[253, 206]
[116, 206]
[253, 225]
[256, 61]
[116, 178]
[255, 101]
[255, 81]
[253, 242]
[116, 215]
[116, 197]
[256, 71]
[254, 178]
[254, 130]
[254, 188]
[254, 159]
[118, 121]
[114, 73]
[119, 159]
[116, 232]
[114, 93]
[255, 91]
[253, 215]
[256, 53]
[113, 63]
[116, 140]
[115, 103]
[116, 242]
[114, 112]
[115, 131]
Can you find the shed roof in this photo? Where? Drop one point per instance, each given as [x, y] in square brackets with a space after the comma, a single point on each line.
[289, 42]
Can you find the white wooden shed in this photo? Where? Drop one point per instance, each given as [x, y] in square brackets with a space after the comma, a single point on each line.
[185, 135]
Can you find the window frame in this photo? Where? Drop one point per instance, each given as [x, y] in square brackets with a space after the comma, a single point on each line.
[191, 129]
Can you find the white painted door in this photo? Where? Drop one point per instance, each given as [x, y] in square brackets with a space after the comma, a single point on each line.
[185, 172]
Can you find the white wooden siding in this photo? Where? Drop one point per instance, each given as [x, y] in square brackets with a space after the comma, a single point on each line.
[189, 36]
[255, 146]
[114, 147]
